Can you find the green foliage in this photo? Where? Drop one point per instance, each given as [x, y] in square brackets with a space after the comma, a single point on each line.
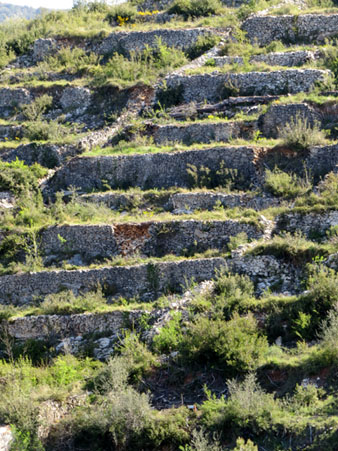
[139, 359]
[202, 45]
[237, 240]
[72, 61]
[286, 185]
[242, 445]
[329, 333]
[195, 8]
[247, 406]
[48, 131]
[20, 178]
[66, 303]
[145, 65]
[33, 111]
[236, 344]
[170, 335]
[299, 134]
[126, 11]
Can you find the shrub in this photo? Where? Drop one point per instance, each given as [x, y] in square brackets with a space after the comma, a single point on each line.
[145, 65]
[66, 303]
[120, 14]
[231, 292]
[285, 185]
[202, 45]
[195, 8]
[47, 131]
[235, 343]
[170, 335]
[34, 110]
[19, 178]
[136, 354]
[237, 240]
[329, 333]
[300, 134]
[242, 445]
[72, 61]
[248, 406]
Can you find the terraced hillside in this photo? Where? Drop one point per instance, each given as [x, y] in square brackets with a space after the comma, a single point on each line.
[169, 227]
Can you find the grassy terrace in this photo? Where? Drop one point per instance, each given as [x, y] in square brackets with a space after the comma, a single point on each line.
[241, 363]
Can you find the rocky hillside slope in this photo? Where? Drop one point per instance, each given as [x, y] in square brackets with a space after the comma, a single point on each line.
[169, 227]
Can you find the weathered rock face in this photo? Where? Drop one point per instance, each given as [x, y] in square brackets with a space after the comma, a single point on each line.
[11, 131]
[90, 242]
[148, 239]
[291, 29]
[159, 170]
[322, 160]
[48, 155]
[202, 132]
[310, 224]
[7, 201]
[208, 201]
[43, 48]
[6, 437]
[146, 281]
[75, 98]
[12, 98]
[267, 271]
[61, 326]
[127, 42]
[214, 86]
[278, 116]
[289, 59]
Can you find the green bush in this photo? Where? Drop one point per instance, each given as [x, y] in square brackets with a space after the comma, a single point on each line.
[145, 65]
[329, 333]
[299, 134]
[248, 406]
[195, 8]
[20, 178]
[72, 61]
[119, 14]
[66, 303]
[286, 185]
[237, 343]
[47, 131]
[170, 335]
[33, 111]
[203, 44]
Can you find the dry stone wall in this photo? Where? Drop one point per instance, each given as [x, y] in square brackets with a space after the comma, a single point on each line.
[307, 28]
[147, 239]
[158, 170]
[202, 132]
[127, 42]
[279, 115]
[146, 281]
[214, 86]
[289, 59]
[310, 224]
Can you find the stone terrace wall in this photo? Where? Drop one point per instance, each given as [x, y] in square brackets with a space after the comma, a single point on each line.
[202, 132]
[158, 170]
[310, 224]
[278, 116]
[208, 201]
[289, 59]
[149, 239]
[146, 281]
[291, 29]
[46, 326]
[126, 42]
[211, 87]
[322, 160]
